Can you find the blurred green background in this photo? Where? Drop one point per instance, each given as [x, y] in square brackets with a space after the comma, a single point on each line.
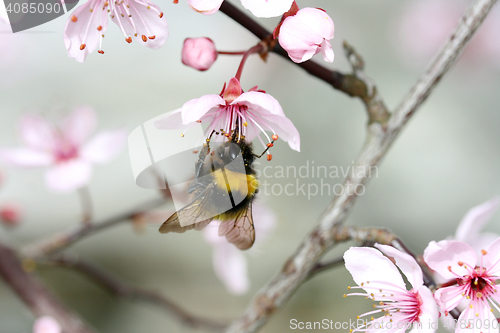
[446, 160]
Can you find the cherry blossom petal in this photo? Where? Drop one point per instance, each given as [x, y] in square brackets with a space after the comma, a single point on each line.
[229, 263]
[206, 7]
[46, 324]
[327, 51]
[199, 53]
[385, 324]
[105, 146]
[480, 319]
[84, 29]
[441, 255]
[80, 124]
[406, 264]
[267, 8]
[307, 33]
[4, 18]
[259, 102]
[285, 130]
[491, 260]
[231, 267]
[367, 264]
[475, 220]
[195, 109]
[429, 313]
[144, 21]
[68, 176]
[449, 297]
[37, 133]
[173, 120]
[26, 157]
[266, 221]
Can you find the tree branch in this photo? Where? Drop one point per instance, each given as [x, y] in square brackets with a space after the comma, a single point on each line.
[66, 238]
[275, 294]
[321, 267]
[120, 289]
[39, 300]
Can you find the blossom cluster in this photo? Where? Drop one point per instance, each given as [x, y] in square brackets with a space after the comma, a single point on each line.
[301, 32]
[469, 274]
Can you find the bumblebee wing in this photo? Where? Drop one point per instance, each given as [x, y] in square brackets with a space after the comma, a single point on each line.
[173, 225]
[241, 231]
[196, 215]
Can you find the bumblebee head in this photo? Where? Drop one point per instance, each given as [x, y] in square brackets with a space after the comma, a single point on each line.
[228, 151]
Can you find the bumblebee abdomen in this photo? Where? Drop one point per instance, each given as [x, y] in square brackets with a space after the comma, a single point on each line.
[236, 182]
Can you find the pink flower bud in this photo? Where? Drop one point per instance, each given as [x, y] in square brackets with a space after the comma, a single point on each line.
[199, 53]
[307, 33]
[205, 7]
[10, 215]
[46, 324]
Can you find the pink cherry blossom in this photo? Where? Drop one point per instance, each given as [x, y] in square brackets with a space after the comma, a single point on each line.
[10, 214]
[382, 282]
[62, 148]
[230, 264]
[259, 8]
[255, 112]
[199, 53]
[424, 26]
[475, 282]
[46, 324]
[307, 33]
[140, 19]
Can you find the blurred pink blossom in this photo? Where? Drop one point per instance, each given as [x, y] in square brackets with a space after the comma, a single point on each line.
[424, 26]
[62, 147]
[259, 8]
[254, 110]
[230, 264]
[142, 20]
[306, 33]
[199, 53]
[10, 214]
[46, 324]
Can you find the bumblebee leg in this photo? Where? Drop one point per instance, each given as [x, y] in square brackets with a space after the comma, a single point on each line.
[259, 156]
[201, 159]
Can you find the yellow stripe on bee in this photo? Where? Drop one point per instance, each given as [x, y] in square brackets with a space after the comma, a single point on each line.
[237, 181]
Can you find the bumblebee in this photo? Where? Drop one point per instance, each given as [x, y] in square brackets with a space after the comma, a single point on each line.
[224, 187]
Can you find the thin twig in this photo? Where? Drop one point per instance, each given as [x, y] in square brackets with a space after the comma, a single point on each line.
[34, 294]
[86, 202]
[120, 289]
[274, 295]
[66, 238]
[321, 267]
